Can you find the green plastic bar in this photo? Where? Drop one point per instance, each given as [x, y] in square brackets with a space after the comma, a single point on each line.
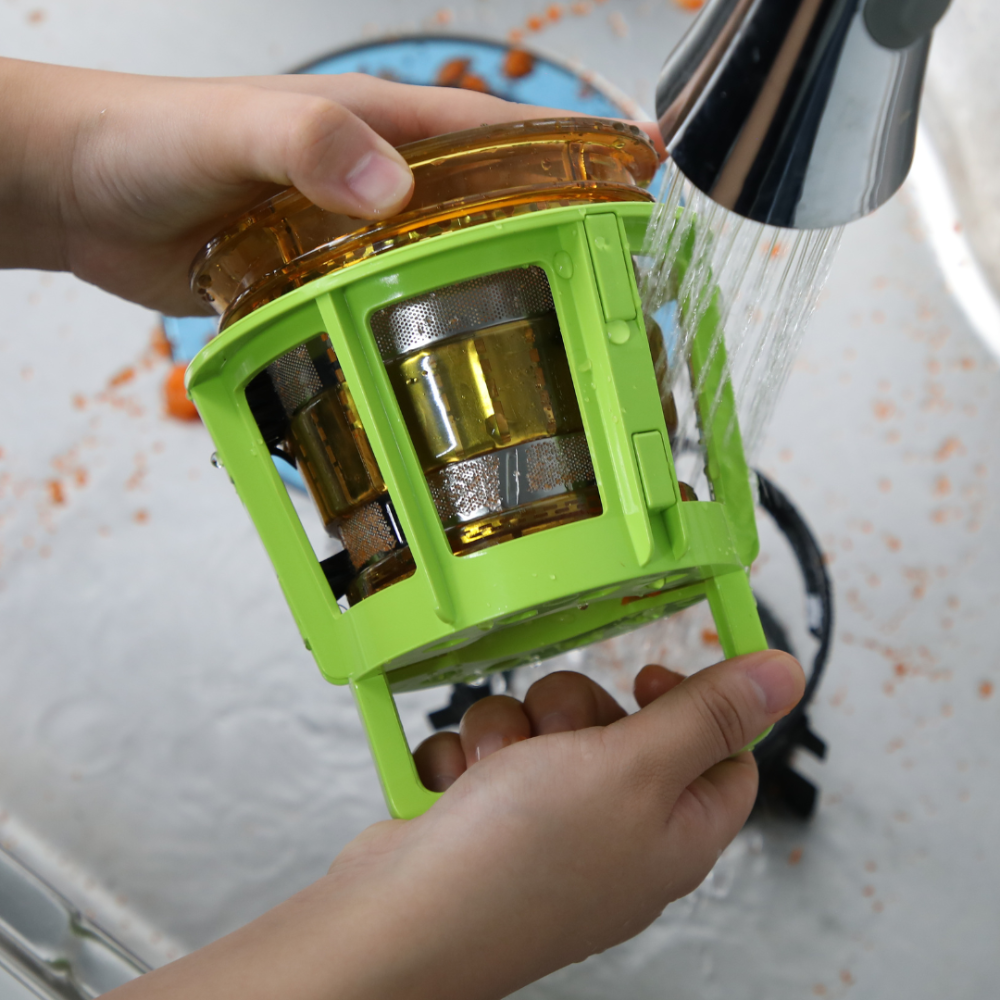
[405, 794]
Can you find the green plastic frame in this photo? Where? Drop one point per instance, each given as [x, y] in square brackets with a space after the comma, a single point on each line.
[647, 555]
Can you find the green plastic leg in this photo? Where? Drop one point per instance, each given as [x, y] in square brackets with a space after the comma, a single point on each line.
[736, 620]
[405, 794]
[733, 608]
[735, 612]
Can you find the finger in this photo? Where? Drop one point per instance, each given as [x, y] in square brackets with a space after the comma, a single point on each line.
[711, 715]
[710, 812]
[492, 724]
[566, 701]
[404, 113]
[652, 681]
[440, 761]
[315, 144]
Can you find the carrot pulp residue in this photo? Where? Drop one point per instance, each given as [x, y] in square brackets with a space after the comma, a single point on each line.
[175, 395]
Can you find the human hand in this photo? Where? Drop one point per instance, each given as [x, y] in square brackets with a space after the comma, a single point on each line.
[541, 852]
[121, 179]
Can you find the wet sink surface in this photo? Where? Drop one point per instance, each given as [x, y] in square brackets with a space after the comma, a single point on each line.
[171, 761]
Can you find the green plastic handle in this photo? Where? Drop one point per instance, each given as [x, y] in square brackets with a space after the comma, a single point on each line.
[405, 793]
[734, 610]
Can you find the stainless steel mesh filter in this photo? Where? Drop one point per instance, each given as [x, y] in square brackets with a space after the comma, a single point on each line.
[467, 490]
[295, 378]
[489, 492]
[556, 464]
[511, 478]
[461, 308]
[370, 531]
[479, 487]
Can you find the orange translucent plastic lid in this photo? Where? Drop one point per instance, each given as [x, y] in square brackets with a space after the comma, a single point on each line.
[460, 179]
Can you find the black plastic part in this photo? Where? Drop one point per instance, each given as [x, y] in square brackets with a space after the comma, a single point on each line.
[780, 786]
[283, 455]
[338, 568]
[796, 794]
[774, 631]
[265, 405]
[819, 592]
[897, 24]
[463, 696]
[808, 740]
[339, 571]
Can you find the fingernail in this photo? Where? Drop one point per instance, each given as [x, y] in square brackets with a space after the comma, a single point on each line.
[378, 182]
[554, 722]
[491, 742]
[775, 683]
[441, 782]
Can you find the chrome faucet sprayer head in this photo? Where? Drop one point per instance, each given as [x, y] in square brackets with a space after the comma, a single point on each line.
[797, 113]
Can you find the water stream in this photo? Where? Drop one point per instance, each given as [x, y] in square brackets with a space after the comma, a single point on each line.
[767, 281]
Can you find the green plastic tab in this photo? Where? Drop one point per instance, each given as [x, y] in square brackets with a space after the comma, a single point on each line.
[614, 280]
[657, 483]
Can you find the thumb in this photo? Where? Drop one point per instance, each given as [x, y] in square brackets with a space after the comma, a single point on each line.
[328, 153]
[713, 714]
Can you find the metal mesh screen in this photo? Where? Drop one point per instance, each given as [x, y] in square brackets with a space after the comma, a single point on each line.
[461, 308]
[511, 477]
[467, 489]
[559, 462]
[295, 378]
[368, 532]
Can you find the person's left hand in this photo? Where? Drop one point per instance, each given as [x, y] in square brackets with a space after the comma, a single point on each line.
[122, 179]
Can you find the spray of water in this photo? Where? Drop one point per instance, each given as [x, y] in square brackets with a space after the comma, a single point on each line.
[748, 287]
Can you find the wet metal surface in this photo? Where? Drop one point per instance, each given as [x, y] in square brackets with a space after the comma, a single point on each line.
[171, 761]
[48, 943]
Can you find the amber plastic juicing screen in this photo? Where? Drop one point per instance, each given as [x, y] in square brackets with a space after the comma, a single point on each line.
[460, 179]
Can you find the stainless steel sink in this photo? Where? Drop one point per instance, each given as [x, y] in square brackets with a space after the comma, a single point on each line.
[171, 763]
[49, 948]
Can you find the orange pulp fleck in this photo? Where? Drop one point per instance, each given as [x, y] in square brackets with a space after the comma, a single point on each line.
[159, 343]
[518, 63]
[472, 82]
[451, 73]
[175, 395]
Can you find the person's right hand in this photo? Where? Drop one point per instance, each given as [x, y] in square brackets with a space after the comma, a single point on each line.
[566, 828]
[578, 823]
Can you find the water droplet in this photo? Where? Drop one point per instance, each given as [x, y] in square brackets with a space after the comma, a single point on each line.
[618, 331]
